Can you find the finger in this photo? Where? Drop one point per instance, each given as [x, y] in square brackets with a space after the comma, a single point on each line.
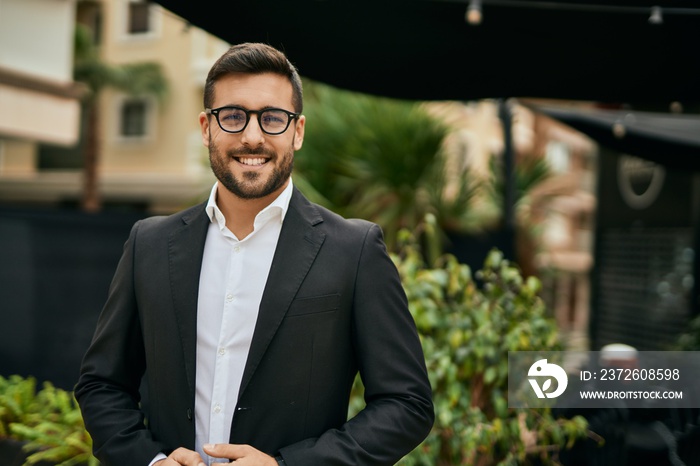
[227, 450]
[185, 457]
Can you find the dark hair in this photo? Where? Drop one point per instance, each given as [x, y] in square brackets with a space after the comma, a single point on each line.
[254, 58]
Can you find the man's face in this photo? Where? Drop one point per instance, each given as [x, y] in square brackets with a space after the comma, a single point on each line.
[252, 164]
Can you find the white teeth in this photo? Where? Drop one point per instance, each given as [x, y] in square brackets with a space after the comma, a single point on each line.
[250, 161]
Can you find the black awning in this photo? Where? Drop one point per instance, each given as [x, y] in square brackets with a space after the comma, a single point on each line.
[425, 50]
[669, 139]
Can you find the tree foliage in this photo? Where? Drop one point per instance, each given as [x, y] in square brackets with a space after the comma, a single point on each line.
[690, 339]
[137, 79]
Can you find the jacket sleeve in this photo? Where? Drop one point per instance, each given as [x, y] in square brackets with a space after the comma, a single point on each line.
[399, 411]
[108, 388]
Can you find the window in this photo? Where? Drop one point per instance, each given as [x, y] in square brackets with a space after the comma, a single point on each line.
[133, 118]
[139, 18]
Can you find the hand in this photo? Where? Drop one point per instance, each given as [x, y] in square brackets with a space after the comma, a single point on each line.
[243, 455]
[181, 457]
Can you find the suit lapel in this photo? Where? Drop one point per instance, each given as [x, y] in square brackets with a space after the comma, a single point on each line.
[298, 245]
[185, 249]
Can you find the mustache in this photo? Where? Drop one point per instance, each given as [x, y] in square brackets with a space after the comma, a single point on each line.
[241, 151]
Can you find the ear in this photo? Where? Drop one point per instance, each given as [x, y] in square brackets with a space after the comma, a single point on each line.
[204, 125]
[299, 132]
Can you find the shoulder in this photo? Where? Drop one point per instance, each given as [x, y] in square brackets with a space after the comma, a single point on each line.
[352, 225]
[329, 221]
[159, 225]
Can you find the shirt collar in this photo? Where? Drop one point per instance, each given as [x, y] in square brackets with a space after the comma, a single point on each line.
[277, 207]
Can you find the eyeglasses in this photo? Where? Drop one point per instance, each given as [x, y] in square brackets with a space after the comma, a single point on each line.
[235, 119]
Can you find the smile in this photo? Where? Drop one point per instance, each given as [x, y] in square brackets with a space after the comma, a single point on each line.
[252, 161]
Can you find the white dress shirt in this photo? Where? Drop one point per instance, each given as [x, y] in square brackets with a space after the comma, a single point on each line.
[233, 276]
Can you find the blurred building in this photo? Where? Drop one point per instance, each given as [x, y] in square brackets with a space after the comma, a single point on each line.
[39, 102]
[151, 156]
[562, 210]
[554, 214]
[555, 217]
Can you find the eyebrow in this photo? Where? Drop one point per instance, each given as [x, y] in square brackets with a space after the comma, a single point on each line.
[261, 109]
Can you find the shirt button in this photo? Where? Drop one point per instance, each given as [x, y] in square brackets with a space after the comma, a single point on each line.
[237, 249]
[222, 351]
[217, 409]
[229, 297]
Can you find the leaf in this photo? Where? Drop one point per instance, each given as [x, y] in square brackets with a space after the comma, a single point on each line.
[49, 422]
[490, 375]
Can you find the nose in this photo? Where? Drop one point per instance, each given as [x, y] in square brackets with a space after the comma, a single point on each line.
[252, 134]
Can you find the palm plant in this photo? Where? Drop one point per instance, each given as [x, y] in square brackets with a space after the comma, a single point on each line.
[135, 79]
[379, 159]
[529, 174]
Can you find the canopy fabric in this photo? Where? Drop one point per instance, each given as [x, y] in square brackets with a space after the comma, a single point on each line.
[670, 139]
[587, 50]
[425, 50]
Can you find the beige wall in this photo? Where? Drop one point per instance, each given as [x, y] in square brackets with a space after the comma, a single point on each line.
[36, 37]
[33, 115]
[17, 157]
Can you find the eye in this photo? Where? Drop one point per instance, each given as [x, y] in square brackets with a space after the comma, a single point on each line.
[274, 118]
[232, 115]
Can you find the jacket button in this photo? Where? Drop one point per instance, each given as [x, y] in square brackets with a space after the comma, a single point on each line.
[189, 414]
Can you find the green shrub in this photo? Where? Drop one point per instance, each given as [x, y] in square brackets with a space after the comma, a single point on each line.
[466, 332]
[49, 421]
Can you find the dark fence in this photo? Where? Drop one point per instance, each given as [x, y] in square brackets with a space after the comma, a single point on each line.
[55, 270]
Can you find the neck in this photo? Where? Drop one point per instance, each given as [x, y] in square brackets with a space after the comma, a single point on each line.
[240, 213]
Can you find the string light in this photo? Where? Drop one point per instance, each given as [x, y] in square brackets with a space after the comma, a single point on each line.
[474, 15]
[572, 5]
[656, 16]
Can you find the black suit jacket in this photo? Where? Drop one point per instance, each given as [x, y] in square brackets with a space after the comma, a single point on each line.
[333, 304]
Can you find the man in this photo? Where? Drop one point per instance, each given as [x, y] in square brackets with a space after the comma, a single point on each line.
[249, 315]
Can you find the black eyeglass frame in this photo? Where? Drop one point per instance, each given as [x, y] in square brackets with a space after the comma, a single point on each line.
[215, 112]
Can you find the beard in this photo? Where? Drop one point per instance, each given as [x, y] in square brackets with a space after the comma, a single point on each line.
[249, 186]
